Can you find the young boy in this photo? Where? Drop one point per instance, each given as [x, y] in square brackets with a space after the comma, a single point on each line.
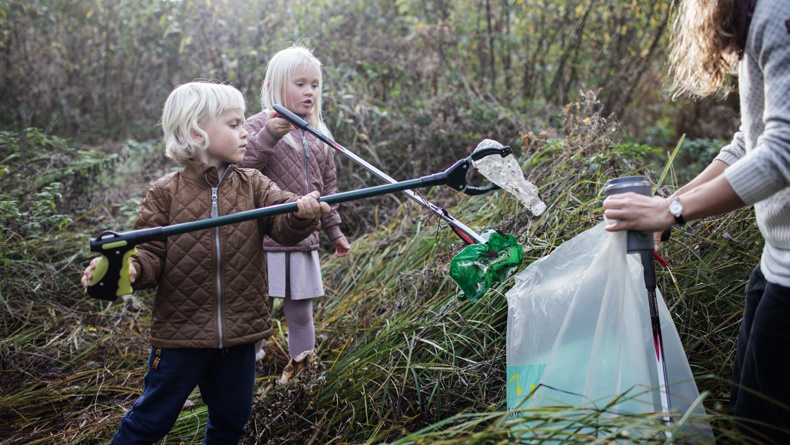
[212, 304]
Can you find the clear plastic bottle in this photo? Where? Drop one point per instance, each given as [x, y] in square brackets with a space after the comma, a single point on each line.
[506, 173]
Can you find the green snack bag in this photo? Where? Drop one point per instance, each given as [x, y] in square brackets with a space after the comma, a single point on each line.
[477, 266]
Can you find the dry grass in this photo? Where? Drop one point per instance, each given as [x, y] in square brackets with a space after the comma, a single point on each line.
[401, 359]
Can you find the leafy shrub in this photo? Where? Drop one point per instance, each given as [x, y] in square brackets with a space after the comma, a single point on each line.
[40, 216]
[696, 154]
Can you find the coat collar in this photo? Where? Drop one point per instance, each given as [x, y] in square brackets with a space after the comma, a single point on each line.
[199, 171]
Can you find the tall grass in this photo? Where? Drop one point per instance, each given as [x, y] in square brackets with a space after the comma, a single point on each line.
[405, 361]
[401, 358]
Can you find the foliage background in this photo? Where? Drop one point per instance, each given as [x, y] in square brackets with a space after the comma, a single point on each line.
[410, 84]
[577, 87]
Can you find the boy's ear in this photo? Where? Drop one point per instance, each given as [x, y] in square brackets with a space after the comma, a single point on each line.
[196, 136]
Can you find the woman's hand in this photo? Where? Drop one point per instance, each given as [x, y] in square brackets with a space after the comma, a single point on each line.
[632, 211]
[87, 275]
[342, 248]
[277, 125]
[309, 207]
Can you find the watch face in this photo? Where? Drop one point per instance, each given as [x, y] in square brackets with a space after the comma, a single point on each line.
[675, 207]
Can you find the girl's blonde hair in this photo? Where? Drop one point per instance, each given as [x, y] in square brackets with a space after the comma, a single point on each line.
[189, 106]
[705, 47]
[279, 76]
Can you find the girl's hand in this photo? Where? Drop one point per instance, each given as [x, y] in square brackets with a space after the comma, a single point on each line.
[88, 274]
[632, 211]
[342, 248]
[309, 208]
[277, 125]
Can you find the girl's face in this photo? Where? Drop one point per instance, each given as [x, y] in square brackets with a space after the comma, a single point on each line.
[303, 92]
[227, 139]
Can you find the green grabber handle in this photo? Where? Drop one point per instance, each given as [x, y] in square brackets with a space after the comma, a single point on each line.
[111, 275]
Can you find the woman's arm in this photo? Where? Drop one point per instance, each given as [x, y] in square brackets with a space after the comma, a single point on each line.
[712, 171]
[632, 211]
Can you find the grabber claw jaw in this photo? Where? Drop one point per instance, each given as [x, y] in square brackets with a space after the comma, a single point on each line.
[456, 175]
[488, 151]
[474, 191]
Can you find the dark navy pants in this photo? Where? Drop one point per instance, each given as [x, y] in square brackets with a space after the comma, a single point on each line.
[226, 378]
[760, 392]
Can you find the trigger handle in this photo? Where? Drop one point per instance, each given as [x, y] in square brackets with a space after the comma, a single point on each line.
[111, 275]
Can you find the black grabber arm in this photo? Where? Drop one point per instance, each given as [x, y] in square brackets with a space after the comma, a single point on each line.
[111, 275]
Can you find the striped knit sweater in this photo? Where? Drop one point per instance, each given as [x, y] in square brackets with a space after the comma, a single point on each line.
[759, 155]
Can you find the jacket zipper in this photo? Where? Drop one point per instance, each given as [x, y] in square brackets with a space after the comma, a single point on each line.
[306, 181]
[214, 214]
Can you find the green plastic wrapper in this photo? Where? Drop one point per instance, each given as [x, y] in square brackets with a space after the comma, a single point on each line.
[477, 266]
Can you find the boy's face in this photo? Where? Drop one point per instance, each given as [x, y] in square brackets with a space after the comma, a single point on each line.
[303, 91]
[227, 139]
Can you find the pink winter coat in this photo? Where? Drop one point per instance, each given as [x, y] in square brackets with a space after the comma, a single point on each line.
[297, 171]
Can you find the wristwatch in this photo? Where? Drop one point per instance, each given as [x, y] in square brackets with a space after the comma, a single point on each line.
[676, 209]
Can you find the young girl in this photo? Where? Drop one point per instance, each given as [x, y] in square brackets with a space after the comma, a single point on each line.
[211, 305]
[300, 163]
[713, 36]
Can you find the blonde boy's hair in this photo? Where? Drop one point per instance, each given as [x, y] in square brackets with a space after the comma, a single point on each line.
[704, 47]
[280, 74]
[189, 106]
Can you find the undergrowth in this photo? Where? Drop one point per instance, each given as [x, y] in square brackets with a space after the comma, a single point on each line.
[401, 358]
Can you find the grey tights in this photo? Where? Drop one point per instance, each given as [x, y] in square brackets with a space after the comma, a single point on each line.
[301, 330]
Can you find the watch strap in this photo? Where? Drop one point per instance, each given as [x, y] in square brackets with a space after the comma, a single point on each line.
[678, 216]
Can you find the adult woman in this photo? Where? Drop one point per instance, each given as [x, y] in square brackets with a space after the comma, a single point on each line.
[712, 38]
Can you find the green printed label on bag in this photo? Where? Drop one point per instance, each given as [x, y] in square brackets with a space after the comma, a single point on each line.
[521, 381]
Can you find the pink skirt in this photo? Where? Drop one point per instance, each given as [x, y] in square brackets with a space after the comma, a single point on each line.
[297, 273]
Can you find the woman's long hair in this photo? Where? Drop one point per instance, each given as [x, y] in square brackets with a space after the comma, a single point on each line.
[705, 47]
[280, 74]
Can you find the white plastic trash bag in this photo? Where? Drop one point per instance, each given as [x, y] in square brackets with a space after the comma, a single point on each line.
[579, 334]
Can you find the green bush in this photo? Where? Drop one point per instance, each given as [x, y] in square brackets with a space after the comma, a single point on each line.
[696, 154]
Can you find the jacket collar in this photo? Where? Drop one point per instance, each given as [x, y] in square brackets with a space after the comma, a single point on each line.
[199, 171]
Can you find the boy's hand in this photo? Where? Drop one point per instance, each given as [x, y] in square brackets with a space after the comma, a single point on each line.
[309, 208]
[88, 274]
[342, 248]
[277, 125]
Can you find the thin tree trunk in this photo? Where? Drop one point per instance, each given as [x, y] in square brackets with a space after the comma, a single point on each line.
[506, 56]
[480, 48]
[106, 68]
[492, 77]
[645, 61]
[574, 59]
[571, 48]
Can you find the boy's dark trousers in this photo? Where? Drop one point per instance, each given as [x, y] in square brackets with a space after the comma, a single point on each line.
[760, 392]
[226, 378]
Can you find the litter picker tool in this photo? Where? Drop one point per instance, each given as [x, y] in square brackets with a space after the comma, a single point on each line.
[486, 258]
[111, 276]
[642, 243]
[500, 178]
[655, 324]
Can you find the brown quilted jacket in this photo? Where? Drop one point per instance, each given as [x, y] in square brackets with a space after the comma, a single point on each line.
[295, 172]
[212, 283]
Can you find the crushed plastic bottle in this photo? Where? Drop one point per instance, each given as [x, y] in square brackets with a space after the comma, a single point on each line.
[506, 173]
[478, 266]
